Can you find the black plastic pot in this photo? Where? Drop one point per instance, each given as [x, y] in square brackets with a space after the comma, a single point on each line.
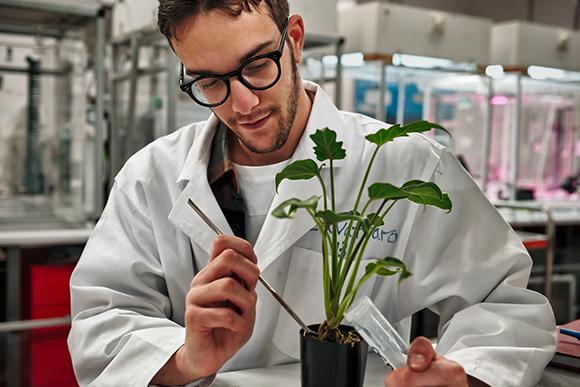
[326, 364]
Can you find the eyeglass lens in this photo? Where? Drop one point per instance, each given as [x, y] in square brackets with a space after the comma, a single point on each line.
[258, 74]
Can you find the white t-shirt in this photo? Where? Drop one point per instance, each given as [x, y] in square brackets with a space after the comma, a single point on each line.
[258, 188]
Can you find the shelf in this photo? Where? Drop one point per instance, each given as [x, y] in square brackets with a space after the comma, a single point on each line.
[48, 19]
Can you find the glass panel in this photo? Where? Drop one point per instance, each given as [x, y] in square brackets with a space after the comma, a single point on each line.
[46, 131]
[456, 100]
[548, 153]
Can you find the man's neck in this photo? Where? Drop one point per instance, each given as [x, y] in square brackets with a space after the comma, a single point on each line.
[244, 156]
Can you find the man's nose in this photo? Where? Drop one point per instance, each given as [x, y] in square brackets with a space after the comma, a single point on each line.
[243, 100]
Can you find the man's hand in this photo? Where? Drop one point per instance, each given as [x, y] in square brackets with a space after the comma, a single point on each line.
[424, 368]
[220, 312]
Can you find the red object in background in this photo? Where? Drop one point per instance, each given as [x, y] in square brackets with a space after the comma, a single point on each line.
[532, 240]
[538, 244]
[47, 360]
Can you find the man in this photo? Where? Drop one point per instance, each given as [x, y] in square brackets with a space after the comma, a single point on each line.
[157, 298]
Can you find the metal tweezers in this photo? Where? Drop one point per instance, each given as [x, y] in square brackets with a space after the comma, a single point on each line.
[273, 292]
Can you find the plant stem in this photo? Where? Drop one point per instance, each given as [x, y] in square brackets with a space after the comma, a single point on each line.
[359, 251]
[332, 186]
[329, 291]
[357, 229]
[387, 210]
[325, 276]
[323, 190]
[334, 247]
[334, 252]
[351, 293]
[350, 255]
[367, 172]
[358, 198]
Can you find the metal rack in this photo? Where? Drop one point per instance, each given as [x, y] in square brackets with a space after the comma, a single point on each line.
[123, 133]
[60, 19]
[315, 41]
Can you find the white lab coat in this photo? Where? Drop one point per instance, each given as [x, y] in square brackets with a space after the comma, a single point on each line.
[129, 287]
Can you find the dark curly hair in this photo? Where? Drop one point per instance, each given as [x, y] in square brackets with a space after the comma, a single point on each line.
[171, 13]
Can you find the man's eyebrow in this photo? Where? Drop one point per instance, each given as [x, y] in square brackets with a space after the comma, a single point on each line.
[248, 55]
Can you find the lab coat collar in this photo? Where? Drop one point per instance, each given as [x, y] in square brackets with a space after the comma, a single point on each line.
[194, 171]
[185, 218]
[323, 114]
[283, 232]
[200, 150]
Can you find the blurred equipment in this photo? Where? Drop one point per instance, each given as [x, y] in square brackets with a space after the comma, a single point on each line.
[32, 171]
[521, 44]
[44, 103]
[536, 118]
[393, 28]
[45, 132]
[421, 64]
[571, 183]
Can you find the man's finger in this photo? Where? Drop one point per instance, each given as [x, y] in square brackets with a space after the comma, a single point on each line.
[420, 354]
[220, 291]
[229, 264]
[214, 318]
[242, 246]
[441, 372]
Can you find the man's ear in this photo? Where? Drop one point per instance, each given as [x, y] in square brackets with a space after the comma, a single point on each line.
[296, 34]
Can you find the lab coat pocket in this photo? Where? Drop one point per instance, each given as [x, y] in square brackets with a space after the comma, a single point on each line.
[303, 292]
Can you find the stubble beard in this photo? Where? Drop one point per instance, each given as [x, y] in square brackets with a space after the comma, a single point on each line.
[285, 122]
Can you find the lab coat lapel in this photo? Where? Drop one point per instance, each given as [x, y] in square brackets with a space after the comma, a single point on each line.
[199, 191]
[277, 235]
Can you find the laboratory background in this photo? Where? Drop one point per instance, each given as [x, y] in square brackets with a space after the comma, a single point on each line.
[84, 84]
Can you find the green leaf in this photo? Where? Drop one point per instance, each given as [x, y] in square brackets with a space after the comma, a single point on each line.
[384, 135]
[426, 193]
[422, 126]
[388, 266]
[330, 217]
[298, 170]
[372, 220]
[289, 207]
[417, 191]
[327, 148]
[385, 191]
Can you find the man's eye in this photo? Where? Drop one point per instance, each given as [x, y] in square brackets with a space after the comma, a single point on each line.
[208, 83]
[256, 66]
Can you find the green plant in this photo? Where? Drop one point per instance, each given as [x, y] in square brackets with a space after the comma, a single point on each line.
[341, 263]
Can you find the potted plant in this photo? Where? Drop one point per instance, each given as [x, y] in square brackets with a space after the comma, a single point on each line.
[341, 260]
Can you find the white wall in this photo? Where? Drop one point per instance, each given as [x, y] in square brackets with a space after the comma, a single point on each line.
[133, 15]
[554, 12]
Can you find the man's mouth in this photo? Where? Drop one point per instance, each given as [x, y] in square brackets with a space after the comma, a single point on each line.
[254, 124]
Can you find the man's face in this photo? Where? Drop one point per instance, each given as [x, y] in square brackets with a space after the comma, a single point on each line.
[217, 43]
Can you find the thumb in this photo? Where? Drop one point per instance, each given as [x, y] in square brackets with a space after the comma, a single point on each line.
[421, 354]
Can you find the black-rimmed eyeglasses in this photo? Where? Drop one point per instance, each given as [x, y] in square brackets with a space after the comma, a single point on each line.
[257, 73]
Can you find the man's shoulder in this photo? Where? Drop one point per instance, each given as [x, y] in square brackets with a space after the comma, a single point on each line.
[163, 158]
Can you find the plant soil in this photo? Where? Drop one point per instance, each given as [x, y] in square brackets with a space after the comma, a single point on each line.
[335, 335]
